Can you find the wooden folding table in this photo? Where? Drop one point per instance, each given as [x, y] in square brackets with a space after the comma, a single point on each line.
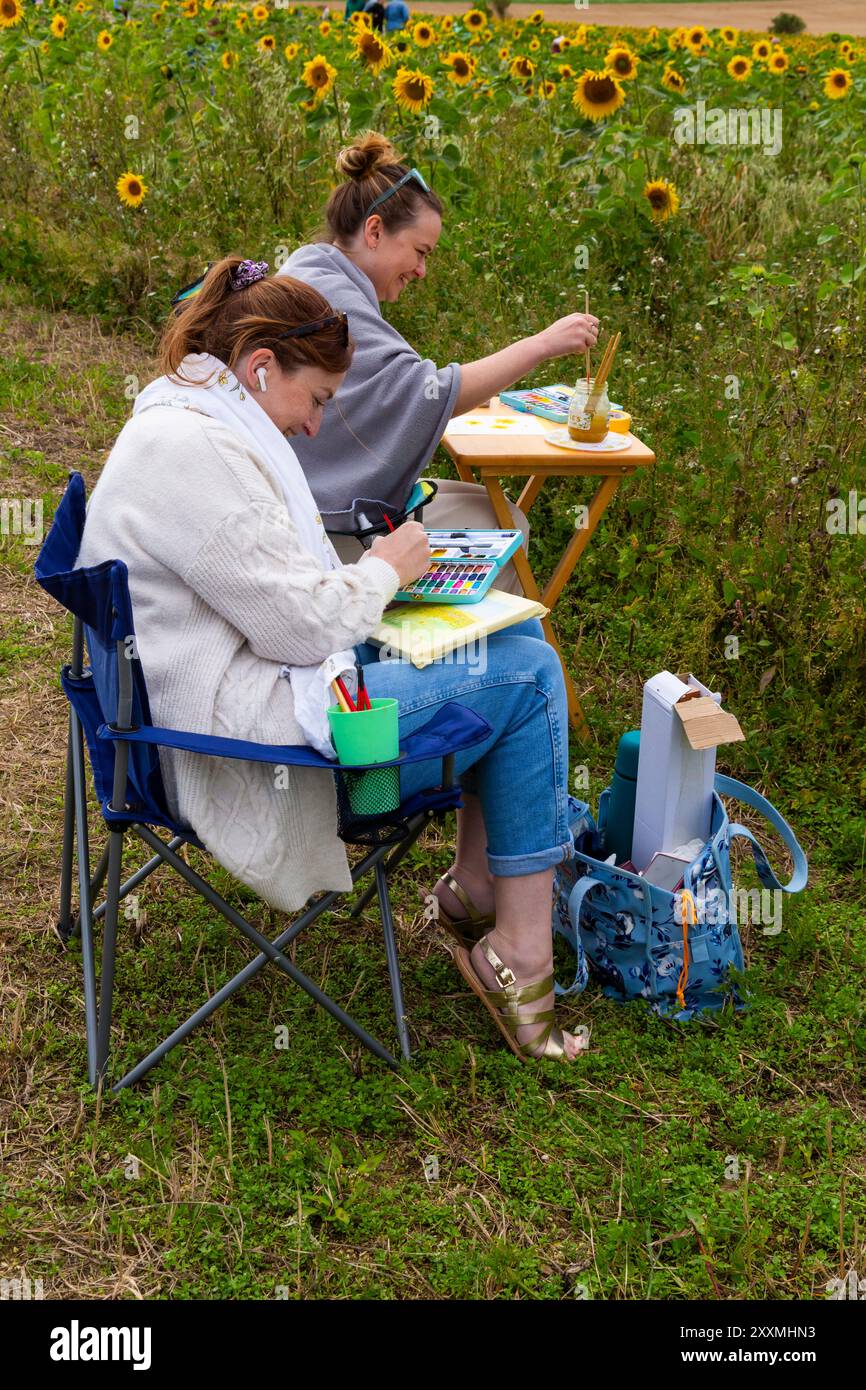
[493, 453]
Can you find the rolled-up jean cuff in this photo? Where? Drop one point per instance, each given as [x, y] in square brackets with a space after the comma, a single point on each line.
[513, 865]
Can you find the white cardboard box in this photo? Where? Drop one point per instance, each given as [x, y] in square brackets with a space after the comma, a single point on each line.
[682, 723]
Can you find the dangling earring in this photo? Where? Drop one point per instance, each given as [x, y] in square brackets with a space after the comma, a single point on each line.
[263, 378]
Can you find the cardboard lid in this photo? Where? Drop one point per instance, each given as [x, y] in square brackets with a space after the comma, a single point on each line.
[706, 725]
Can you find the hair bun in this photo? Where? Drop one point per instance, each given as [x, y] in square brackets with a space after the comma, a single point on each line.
[365, 156]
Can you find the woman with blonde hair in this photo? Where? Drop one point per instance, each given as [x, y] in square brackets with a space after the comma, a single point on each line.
[244, 612]
[382, 226]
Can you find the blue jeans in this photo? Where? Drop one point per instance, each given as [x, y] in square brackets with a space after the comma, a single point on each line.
[520, 772]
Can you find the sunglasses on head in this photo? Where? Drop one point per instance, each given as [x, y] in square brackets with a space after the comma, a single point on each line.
[412, 174]
[303, 330]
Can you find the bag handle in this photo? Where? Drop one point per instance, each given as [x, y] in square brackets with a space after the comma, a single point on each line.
[575, 898]
[729, 786]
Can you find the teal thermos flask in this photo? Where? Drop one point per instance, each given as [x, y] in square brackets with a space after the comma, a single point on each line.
[623, 791]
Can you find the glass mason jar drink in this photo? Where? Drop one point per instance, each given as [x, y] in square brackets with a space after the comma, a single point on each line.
[589, 412]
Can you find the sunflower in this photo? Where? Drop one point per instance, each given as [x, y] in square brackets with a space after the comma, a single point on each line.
[11, 12]
[564, 44]
[319, 75]
[546, 89]
[474, 19]
[267, 43]
[537, 17]
[674, 81]
[622, 61]
[260, 13]
[228, 60]
[104, 40]
[131, 189]
[324, 28]
[837, 83]
[372, 50]
[730, 36]
[598, 94]
[413, 89]
[696, 38]
[80, 7]
[663, 199]
[446, 23]
[504, 53]
[565, 71]
[534, 45]
[59, 25]
[739, 67]
[462, 68]
[423, 35]
[522, 68]
[242, 21]
[291, 51]
[189, 8]
[779, 61]
[761, 51]
[845, 48]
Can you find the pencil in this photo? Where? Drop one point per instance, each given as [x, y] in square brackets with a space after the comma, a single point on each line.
[341, 699]
[586, 349]
[352, 707]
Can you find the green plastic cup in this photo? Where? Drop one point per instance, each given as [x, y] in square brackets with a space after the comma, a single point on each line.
[369, 736]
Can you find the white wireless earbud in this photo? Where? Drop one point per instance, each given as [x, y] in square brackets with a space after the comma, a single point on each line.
[263, 378]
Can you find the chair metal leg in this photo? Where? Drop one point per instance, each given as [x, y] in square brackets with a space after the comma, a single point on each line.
[140, 874]
[393, 962]
[64, 921]
[96, 883]
[268, 948]
[85, 912]
[109, 949]
[394, 858]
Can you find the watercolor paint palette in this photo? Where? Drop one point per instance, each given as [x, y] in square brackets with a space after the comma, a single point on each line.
[463, 566]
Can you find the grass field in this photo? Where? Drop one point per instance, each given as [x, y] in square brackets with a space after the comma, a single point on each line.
[718, 1160]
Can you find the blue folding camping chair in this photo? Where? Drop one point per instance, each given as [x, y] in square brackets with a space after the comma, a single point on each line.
[109, 711]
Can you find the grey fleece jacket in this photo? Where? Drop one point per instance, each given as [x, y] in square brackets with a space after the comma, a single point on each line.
[383, 425]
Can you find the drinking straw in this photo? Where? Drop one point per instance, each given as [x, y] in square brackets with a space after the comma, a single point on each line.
[341, 700]
[586, 349]
[352, 707]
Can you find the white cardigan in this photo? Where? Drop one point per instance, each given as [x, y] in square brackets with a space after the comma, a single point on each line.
[223, 595]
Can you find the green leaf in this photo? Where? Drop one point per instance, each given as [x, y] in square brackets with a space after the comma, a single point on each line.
[451, 156]
[828, 234]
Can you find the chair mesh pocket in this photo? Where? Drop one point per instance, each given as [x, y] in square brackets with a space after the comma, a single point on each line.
[368, 806]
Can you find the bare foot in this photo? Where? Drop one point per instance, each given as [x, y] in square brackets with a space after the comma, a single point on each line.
[526, 971]
[478, 890]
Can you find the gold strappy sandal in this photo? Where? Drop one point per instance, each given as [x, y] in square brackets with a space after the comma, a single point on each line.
[508, 1019]
[465, 930]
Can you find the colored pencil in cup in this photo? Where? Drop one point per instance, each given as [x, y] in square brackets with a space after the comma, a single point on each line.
[341, 699]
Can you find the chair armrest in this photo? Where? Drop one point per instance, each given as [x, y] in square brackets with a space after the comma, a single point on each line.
[452, 728]
[291, 754]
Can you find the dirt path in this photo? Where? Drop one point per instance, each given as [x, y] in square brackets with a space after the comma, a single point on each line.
[820, 16]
